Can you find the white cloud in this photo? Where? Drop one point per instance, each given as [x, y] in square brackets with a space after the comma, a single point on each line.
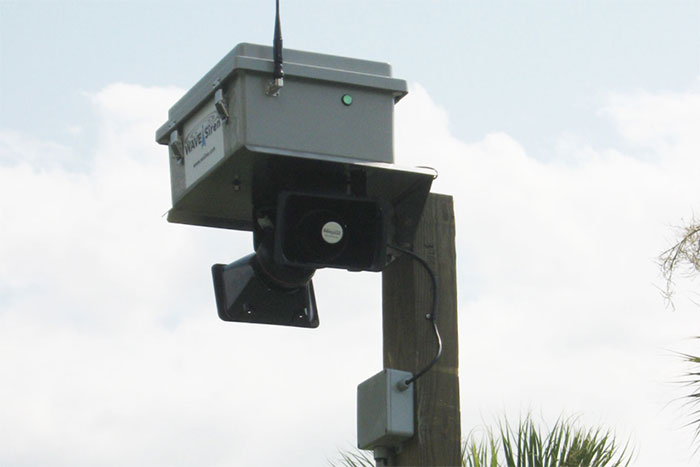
[109, 333]
[20, 149]
[663, 121]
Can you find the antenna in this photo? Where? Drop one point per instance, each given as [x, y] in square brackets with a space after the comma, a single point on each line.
[278, 71]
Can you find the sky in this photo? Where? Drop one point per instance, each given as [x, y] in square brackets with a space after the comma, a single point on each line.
[566, 132]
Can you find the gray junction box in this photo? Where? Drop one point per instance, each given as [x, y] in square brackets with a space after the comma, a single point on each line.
[330, 128]
[384, 412]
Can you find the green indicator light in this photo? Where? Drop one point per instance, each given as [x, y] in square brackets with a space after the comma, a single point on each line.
[347, 99]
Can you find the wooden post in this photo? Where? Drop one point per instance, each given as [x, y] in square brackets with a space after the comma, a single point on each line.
[409, 340]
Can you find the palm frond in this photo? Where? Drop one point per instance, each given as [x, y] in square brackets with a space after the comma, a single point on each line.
[691, 380]
[567, 444]
[355, 458]
[682, 258]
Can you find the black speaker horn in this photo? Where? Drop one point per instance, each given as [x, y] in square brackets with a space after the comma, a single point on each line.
[319, 231]
[256, 290]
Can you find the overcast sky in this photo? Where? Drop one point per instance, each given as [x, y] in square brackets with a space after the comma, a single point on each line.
[568, 134]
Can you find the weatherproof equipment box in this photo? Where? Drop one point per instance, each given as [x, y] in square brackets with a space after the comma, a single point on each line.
[384, 410]
[331, 125]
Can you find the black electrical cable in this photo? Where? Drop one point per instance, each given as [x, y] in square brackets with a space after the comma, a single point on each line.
[432, 316]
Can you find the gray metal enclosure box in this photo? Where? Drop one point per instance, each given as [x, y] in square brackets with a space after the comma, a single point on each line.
[227, 122]
[384, 413]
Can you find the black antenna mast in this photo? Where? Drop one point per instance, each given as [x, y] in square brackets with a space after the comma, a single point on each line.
[278, 71]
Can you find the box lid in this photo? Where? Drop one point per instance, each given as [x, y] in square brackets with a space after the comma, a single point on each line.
[309, 65]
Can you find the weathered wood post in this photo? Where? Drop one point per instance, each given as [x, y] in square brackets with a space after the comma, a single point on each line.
[409, 340]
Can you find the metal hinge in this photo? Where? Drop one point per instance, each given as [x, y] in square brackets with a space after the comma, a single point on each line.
[220, 104]
[176, 147]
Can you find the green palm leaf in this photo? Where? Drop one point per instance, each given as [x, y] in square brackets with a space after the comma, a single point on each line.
[567, 444]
